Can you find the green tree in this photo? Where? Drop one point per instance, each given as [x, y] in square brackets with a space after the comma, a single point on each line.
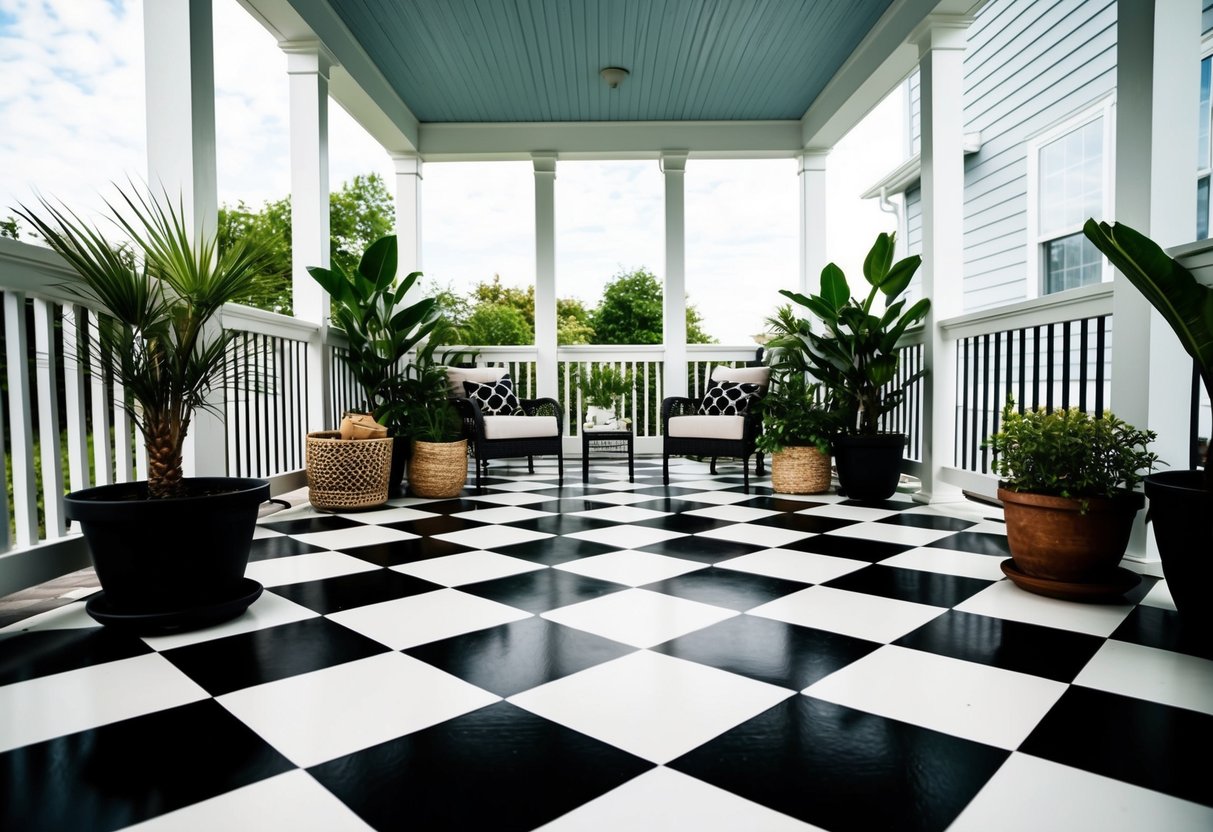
[360, 212]
[9, 228]
[271, 224]
[631, 312]
[574, 322]
[492, 324]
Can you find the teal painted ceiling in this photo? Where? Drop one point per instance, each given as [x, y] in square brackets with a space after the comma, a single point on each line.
[539, 60]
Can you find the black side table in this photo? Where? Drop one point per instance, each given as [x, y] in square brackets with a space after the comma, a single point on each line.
[604, 436]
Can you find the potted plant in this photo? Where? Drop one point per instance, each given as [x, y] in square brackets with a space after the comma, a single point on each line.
[1066, 484]
[857, 361]
[439, 463]
[381, 329]
[170, 552]
[601, 386]
[1181, 501]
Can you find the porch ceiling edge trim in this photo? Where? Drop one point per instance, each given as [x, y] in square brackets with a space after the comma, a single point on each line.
[610, 140]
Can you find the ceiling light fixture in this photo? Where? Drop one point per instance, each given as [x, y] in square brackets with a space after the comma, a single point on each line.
[613, 75]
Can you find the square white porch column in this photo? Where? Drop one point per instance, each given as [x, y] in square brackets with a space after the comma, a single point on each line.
[178, 38]
[941, 45]
[1158, 60]
[408, 215]
[674, 329]
[812, 174]
[308, 67]
[545, 273]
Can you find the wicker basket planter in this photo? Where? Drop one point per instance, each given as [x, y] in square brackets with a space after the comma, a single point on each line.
[344, 474]
[438, 469]
[800, 471]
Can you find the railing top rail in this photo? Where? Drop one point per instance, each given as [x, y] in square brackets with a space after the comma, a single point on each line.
[722, 352]
[38, 271]
[247, 319]
[1075, 304]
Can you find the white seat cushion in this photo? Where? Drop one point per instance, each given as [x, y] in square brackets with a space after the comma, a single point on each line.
[456, 376]
[751, 375]
[520, 427]
[706, 427]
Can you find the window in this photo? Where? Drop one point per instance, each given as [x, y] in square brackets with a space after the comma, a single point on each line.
[1204, 159]
[1068, 175]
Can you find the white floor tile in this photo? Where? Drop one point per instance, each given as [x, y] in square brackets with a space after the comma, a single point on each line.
[261, 532]
[975, 701]
[619, 498]
[716, 498]
[77, 700]
[621, 514]
[614, 484]
[430, 616]
[67, 617]
[772, 536]
[654, 706]
[269, 610]
[948, 562]
[290, 802]
[625, 536]
[664, 800]
[1005, 600]
[890, 533]
[398, 514]
[1149, 673]
[363, 703]
[630, 567]
[502, 514]
[732, 513]
[508, 498]
[489, 537]
[314, 566]
[353, 537]
[639, 617]
[851, 613]
[709, 485]
[1159, 596]
[860, 514]
[806, 567]
[1031, 793]
[521, 485]
[467, 568]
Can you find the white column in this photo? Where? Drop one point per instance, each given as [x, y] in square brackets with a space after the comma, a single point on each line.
[1157, 54]
[180, 84]
[941, 44]
[408, 211]
[545, 272]
[812, 172]
[674, 330]
[308, 67]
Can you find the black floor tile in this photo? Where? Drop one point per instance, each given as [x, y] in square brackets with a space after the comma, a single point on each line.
[808, 523]
[519, 656]
[928, 521]
[682, 523]
[843, 769]
[452, 506]
[1162, 748]
[350, 591]
[542, 590]
[25, 656]
[1154, 627]
[405, 551]
[702, 549]
[241, 661]
[840, 546]
[559, 524]
[552, 551]
[885, 505]
[122, 773]
[726, 588]
[308, 525]
[913, 585]
[769, 651]
[1010, 645]
[267, 548]
[981, 543]
[775, 502]
[496, 768]
[430, 526]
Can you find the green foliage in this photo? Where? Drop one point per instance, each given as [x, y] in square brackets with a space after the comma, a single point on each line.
[857, 359]
[793, 416]
[574, 323]
[1069, 453]
[368, 305]
[602, 384]
[631, 312]
[497, 323]
[360, 212]
[10, 227]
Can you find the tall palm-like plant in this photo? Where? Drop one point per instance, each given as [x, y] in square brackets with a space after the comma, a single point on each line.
[158, 293]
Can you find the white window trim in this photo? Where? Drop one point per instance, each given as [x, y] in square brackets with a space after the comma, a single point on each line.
[1105, 107]
[1206, 51]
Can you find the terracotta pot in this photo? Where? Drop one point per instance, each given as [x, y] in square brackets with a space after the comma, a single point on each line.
[1054, 539]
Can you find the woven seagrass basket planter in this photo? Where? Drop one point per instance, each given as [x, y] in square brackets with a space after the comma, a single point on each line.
[438, 469]
[800, 471]
[345, 474]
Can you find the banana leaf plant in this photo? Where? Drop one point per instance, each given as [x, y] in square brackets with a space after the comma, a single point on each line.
[381, 329]
[1185, 303]
[158, 291]
[857, 358]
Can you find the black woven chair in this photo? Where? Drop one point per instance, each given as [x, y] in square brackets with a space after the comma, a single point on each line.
[741, 446]
[486, 445]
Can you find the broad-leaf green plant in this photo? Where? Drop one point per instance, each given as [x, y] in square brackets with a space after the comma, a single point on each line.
[794, 415]
[857, 358]
[158, 291]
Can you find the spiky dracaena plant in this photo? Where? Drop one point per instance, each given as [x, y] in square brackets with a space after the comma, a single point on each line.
[158, 293]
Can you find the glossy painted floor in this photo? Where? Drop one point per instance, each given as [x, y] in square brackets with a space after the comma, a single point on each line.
[619, 656]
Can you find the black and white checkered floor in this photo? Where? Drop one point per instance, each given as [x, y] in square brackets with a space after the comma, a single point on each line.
[619, 656]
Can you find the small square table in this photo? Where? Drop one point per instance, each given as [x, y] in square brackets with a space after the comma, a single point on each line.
[604, 436]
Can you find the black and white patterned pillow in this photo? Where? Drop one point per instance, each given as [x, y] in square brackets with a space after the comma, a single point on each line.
[729, 398]
[496, 398]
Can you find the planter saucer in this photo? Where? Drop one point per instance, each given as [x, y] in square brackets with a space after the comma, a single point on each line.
[245, 592]
[1115, 584]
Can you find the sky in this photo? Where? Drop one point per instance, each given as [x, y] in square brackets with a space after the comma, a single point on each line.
[72, 110]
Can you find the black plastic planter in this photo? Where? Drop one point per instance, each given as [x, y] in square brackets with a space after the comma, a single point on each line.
[869, 467]
[1181, 511]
